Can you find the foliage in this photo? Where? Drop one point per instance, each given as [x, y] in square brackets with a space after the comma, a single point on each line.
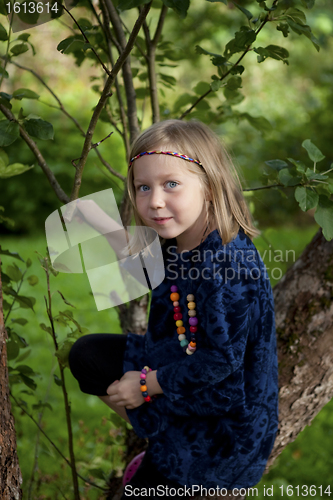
[224, 42]
[23, 378]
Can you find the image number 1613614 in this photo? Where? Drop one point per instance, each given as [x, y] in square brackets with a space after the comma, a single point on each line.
[31, 7]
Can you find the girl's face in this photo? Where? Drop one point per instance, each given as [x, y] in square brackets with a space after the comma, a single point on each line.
[164, 188]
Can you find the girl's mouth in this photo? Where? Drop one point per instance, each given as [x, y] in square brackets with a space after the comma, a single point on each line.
[162, 221]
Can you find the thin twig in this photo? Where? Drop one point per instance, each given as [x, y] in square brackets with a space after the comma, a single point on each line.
[229, 71]
[63, 386]
[53, 444]
[105, 94]
[126, 66]
[40, 159]
[63, 110]
[109, 37]
[84, 36]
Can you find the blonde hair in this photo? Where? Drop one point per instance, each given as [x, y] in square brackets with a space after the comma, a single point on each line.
[227, 209]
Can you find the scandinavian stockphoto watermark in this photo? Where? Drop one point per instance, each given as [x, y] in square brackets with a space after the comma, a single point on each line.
[226, 264]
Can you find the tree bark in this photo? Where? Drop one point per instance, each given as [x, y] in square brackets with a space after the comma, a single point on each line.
[10, 473]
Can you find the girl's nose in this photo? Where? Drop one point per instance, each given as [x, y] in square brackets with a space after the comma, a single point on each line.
[156, 200]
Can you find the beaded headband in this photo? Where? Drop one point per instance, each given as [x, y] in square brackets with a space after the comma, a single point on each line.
[170, 153]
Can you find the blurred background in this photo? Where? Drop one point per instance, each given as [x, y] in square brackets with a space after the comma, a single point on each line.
[297, 101]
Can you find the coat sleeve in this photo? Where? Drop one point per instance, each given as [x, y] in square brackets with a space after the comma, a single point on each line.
[224, 309]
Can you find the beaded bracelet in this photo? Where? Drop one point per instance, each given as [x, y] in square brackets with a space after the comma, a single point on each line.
[143, 387]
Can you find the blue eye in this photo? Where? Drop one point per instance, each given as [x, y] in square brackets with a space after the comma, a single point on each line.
[145, 185]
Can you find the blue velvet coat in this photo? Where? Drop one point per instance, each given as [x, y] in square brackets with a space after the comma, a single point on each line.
[216, 421]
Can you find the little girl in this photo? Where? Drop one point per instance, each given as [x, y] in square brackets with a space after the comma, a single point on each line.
[202, 383]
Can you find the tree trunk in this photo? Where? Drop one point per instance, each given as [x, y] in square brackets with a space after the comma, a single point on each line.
[10, 473]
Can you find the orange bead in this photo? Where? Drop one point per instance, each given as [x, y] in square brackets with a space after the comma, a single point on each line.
[191, 305]
[193, 344]
[174, 296]
[143, 388]
[180, 330]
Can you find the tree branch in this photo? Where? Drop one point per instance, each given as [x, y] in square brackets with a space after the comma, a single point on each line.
[126, 67]
[223, 77]
[85, 37]
[109, 36]
[62, 196]
[105, 94]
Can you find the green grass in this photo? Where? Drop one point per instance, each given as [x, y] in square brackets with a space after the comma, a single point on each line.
[98, 444]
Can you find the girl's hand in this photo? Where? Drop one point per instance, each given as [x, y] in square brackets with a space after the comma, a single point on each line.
[126, 391]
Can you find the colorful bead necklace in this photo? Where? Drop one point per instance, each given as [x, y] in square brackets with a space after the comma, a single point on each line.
[188, 347]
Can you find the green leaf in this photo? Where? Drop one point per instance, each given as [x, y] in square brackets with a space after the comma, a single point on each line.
[24, 36]
[24, 356]
[25, 369]
[9, 132]
[4, 278]
[288, 178]
[324, 216]
[72, 44]
[258, 122]
[306, 198]
[3, 9]
[47, 329]
[63, 353]
[14, 273]
[243, 39]
[14, 169]
[284, 28]
[311, 175]
[170, 80]
[20, 321]
[233, 96]
[57, 380]
[330, 185]
[28, 382]
[276, 164]
[5, 74]
[13, 349]
[42, 406]
[273, 51]
[179, 6]
[304, 30]
[19, 49]
[314, 153]
[216, 85]
[300, 167]
[220, 1]
[4, 157]
[234, 83]
[15, 255]
[216, 59]
[26, 302]
[3, 33]
[33, 280]
[245, 11]
[308, 3]
[25, 93]
[201, 88]
[296, 15]
[28, 262]
[39, 128]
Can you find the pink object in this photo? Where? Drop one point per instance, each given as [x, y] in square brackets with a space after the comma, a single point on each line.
[132, 468]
